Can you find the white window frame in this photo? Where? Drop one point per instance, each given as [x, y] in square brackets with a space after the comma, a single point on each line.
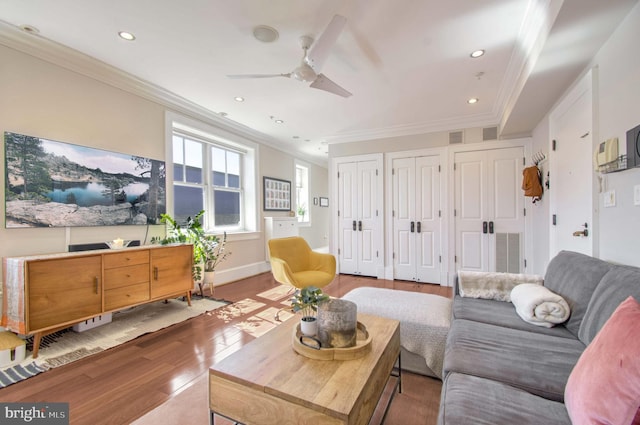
[307, 170]
[214, 136]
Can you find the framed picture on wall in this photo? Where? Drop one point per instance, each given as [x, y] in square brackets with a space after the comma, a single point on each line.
[276, 194]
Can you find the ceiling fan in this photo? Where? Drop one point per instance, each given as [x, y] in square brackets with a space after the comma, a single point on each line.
[313, 60]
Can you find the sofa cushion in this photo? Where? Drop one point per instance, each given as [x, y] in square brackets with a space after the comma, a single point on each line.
[618, 284]
[574, 277]
[500, 314]
[610, 363]
[469, 399]
[537, 363]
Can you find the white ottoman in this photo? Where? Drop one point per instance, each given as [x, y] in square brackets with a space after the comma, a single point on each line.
[424, 324]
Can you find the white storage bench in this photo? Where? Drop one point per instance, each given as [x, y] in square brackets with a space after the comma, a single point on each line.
[424, 324]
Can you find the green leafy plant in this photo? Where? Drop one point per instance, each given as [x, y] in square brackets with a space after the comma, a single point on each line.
[306, 300]
[214, 251]
[302, 210]
[208, 250]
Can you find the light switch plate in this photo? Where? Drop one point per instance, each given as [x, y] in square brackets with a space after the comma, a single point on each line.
[610, 199]
[636, 194]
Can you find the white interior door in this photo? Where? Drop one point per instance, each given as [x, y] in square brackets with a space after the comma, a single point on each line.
[367, 217]
[428, 227]
[571, 184]
[358, 217]
[489, 211]
[416, 219]
[347, 219]
[404, 188]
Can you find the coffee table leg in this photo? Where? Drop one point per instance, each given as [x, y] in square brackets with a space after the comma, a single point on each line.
[213, 418]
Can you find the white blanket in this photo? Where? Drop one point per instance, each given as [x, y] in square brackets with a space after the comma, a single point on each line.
[492, 285]
[424, 319]
[539, 306]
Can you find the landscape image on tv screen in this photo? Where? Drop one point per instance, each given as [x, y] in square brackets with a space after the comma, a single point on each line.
[56, 184]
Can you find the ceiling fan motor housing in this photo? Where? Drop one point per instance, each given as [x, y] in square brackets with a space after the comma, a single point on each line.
[304, 73]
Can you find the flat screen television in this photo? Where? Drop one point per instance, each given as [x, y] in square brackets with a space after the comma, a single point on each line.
[58, 184]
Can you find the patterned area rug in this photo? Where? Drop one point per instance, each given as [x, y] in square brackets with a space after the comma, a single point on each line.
[67, 346]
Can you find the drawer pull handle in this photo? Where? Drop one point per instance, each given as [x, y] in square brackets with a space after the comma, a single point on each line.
[96, 281]
[155, 273]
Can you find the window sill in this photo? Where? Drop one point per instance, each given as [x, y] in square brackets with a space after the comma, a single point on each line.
[239, 235]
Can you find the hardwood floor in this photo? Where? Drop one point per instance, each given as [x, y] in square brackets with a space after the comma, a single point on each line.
[119, 385]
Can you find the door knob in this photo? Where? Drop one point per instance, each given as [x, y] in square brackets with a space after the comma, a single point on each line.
[419, 226]
[583, 232]
[484, 227]
[354, 225]
[360, 225]
[491, 227]
[413, 224]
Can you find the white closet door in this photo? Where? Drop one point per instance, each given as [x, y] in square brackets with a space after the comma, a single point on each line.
[348, 210]
[367, 217]
[428, 219]
[403, 215]
[358, 217]
[416, 221]
[489, 211]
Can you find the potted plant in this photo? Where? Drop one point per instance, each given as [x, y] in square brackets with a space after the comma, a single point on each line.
[306, 301]
[302, 211]
[208, 251]
[213, 251]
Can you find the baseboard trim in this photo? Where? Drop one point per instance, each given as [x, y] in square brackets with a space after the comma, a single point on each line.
[242, 272]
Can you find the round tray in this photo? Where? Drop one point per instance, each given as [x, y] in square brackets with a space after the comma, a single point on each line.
[362, 347]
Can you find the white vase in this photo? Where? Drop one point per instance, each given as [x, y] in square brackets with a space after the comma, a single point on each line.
[309, 326]
[208, 280]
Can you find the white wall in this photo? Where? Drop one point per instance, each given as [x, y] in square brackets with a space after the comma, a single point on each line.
[43, 99]
[616, 92]
[619, 110]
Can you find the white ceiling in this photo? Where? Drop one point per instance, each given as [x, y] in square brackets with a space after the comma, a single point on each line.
[406, 62]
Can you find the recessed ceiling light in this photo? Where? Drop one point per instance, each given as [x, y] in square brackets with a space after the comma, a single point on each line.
[296, 137]
[472, 100]
[222, 114]
[30, 29]
[265, 33]
[279, 122]
[239, 99]
[307, 140]
[126, 36]
[477, 53]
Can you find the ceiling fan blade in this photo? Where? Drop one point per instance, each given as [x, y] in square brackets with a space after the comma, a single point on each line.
[240, 76]
[323, 83]
[320, 49]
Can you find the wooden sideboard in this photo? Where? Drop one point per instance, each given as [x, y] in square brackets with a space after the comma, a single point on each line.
[47, 293]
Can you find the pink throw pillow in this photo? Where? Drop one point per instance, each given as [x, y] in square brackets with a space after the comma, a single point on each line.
[604, 386]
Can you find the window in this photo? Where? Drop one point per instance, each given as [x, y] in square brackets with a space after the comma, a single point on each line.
[209, 176]
[302, 193]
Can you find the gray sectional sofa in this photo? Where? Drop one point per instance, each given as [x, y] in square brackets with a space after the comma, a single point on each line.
[498, 369]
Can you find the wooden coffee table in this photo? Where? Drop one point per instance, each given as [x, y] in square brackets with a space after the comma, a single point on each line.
[266, 382]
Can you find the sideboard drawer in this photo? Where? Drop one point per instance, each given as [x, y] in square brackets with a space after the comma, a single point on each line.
[126, 296]
[125, 276]
[128, 258]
